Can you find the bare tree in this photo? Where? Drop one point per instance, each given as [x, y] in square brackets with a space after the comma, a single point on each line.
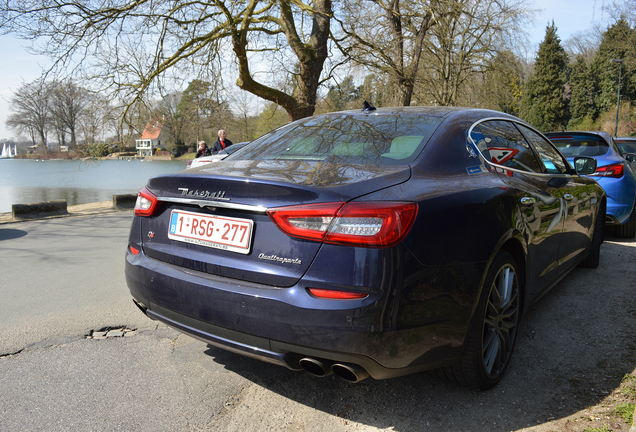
[468, 37]
[69, 103]
[243, 106]
[30, 107]
[454, 38]
[128, 121]
[108, 40]
[94, 118]
[174, 124]
[583, 44]
[388, 37]
[621, 9]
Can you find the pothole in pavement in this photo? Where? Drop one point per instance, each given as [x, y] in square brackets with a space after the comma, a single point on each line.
[111, 332]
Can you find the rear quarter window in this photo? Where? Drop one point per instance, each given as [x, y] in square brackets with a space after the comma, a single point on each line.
[501, 143]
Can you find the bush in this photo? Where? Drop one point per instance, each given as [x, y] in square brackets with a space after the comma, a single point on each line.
[98, 150]
[626, 120]
[587, 124]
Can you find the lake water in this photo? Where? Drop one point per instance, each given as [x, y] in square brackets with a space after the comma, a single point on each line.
[24, 181]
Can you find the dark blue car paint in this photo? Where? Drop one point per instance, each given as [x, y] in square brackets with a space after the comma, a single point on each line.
[422, 293]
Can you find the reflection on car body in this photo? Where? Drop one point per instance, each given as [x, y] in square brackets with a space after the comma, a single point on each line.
[217, 156]
[381, 243]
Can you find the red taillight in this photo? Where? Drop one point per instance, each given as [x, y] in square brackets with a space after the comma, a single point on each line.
[146, 203]
[368, 224]
[133, 250]
[615, 170]
[336, 295]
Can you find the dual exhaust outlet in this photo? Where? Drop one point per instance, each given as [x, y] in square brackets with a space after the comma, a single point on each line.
[322, 368]
[317, 367]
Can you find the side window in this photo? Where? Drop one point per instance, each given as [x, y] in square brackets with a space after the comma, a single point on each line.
[552, 160]
[501, 143]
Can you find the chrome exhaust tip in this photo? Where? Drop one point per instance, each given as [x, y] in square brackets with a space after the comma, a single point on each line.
[349, 372]
[315, 367]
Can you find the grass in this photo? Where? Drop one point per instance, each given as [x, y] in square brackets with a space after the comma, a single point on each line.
[625, 411]
[598, 429]
[628, 387]
[186, 156]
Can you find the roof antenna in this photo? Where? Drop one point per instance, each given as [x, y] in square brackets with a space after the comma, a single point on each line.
[367, 107]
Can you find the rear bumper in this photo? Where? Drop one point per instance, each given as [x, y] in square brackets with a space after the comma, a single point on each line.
[278, 353]
[620, 194]
[618, 212]
[283, 325]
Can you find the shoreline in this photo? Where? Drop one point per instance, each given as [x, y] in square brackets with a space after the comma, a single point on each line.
[113, 156]
[74, 210]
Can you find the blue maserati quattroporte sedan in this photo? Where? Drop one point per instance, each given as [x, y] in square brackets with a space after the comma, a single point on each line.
[374, 243]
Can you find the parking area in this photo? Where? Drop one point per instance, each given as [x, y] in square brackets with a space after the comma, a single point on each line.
[62, 284]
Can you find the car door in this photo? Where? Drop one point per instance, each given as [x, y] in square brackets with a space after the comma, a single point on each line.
[542, 206]
[578, 220]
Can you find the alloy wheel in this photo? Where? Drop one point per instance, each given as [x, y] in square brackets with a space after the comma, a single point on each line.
[500, 321]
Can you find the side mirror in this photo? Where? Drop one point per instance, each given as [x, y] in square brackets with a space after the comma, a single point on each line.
[584, 165]
[630, 157]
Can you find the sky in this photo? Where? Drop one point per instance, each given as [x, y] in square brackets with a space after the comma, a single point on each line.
[570, 17]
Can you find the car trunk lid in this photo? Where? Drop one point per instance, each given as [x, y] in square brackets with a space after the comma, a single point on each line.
[229, 201]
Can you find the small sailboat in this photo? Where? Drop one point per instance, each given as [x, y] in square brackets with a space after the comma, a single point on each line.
[7, 153]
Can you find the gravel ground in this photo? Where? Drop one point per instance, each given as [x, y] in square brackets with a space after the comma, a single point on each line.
[574, 369]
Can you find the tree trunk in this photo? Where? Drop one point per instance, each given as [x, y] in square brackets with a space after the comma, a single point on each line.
[311, 58]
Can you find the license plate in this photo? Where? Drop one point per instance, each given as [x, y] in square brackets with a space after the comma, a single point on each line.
[230, 234]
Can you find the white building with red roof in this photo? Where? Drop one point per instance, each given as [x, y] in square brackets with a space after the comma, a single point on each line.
[151, 137]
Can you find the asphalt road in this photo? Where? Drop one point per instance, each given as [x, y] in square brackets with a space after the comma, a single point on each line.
[62, 279]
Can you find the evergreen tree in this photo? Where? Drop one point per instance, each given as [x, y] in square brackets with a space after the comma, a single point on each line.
[343, 95]
[582, 97]
[501, 88]
[543, 102]
[619, 42]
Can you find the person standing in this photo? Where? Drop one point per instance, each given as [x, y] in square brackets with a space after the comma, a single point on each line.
[221, 143]
[202, 150]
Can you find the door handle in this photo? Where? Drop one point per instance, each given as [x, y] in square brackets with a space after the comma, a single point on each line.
[568, 197]
[528, 200]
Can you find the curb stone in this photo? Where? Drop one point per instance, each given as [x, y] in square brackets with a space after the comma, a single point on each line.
[119, 203]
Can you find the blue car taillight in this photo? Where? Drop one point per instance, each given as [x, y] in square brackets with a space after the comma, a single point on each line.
[367, 224]
[614, 170]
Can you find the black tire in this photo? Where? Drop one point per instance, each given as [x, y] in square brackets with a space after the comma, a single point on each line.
[628, 229]
[492, 335]
[598, 236]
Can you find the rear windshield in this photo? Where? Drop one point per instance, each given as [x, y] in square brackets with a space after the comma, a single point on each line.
[384, 139]
[572, 146]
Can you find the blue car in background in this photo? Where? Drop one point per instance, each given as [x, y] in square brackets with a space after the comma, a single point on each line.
[615, 174]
